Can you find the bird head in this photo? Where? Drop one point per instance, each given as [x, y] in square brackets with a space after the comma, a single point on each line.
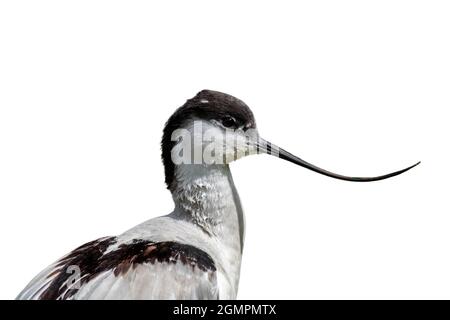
[215, 128]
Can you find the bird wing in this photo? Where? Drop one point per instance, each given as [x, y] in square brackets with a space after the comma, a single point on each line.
[139, 269]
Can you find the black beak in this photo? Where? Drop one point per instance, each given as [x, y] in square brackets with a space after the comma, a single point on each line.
[269, 148]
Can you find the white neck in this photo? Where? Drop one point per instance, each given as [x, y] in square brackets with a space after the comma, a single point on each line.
[206, 196]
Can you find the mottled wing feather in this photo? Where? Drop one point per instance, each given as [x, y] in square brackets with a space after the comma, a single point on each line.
[49, 278]
[136, 270]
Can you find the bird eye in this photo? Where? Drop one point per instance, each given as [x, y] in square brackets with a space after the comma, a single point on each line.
[229, 122]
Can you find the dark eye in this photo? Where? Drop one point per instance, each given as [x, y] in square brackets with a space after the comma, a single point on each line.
[229, 122]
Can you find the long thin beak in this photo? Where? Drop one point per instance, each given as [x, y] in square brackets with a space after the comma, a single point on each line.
[269, 148]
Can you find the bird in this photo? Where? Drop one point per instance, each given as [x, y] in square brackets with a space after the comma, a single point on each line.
[195, 251]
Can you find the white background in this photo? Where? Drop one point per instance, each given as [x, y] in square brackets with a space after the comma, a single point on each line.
[357, 87]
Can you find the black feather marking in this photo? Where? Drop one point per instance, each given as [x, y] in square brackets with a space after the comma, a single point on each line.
[92, 261]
